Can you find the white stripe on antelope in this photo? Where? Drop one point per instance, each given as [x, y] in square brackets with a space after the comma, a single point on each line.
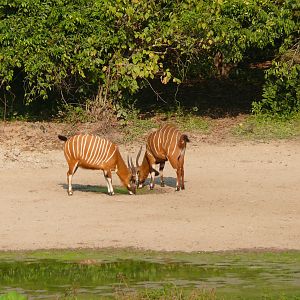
[165, 144]
[92, 152]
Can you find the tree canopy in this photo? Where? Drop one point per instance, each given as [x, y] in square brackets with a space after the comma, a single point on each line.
[106, 49]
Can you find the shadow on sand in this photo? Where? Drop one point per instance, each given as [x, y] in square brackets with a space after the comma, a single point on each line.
[120, 190]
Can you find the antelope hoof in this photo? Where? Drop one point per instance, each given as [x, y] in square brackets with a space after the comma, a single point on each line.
[162, 184]
[183, 187]
[151, 186]
[140, 185]
[110, 194]
[70, 193]
[177, 189]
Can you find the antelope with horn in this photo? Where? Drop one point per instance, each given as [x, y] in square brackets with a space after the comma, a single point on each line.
[92, 152]
[165, 144]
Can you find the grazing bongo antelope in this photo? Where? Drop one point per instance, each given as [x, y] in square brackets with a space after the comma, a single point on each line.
[92, 152]
[164, 144]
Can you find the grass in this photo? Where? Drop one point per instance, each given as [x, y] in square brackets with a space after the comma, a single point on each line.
[168, 292]
[13, 296]
[249, 128]
[191, 258]
[171, 292]
[246, 127]
[132, 274]
[191, 123]
[136, 128]
[263, 128]
[119, 190]
[98, 189]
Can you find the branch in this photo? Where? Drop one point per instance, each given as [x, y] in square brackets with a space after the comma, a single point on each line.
[155, 92]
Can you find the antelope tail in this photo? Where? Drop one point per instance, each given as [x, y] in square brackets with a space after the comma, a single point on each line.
[182, 141]
[62, 138]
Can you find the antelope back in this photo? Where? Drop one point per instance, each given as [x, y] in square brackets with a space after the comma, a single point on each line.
[163, 143]
[90, 151]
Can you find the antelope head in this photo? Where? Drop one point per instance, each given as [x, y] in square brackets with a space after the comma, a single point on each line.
[142, 171]
[133, 176]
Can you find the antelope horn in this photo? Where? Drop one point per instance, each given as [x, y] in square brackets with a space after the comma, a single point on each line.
[132, 165]
[138, 156]
[128, 162]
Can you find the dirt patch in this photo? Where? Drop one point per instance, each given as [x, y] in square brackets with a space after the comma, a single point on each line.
[32, 136]
[239, 195]
[42, 136]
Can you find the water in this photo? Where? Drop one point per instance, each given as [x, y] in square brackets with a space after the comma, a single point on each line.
[93, 276]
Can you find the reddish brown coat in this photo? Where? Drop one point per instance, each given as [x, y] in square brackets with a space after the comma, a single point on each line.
[93, 152]
[165, 144]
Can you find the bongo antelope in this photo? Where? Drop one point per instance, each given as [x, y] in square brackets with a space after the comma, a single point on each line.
[165, 144]
[92, 152]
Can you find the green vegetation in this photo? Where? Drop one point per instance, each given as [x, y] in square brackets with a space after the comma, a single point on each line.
[281, 92]
[100, 189]
[135, 128]
[119, 190]
[97, 55]
[266, 128]
[170, 292]
[131, 274]
[13, 296]
[190, 122]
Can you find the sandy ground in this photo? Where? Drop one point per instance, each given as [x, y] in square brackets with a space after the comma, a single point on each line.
[238, 196]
